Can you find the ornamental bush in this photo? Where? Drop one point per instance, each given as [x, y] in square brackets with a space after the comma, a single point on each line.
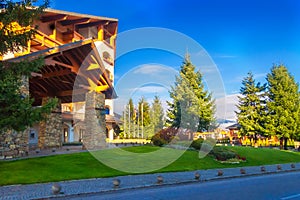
[166, 135]
[222, 154]
[196, 144]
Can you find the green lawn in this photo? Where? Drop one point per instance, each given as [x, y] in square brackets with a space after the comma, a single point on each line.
[84, 165]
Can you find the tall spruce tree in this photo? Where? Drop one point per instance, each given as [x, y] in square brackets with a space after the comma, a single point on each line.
[144, 121]
[143, 112]
[16, 111]
[157, 115]
[192, 106]
[283, 104]
[129, 117]
[252, 107]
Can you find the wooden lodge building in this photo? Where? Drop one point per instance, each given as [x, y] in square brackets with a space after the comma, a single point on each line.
[79, 52]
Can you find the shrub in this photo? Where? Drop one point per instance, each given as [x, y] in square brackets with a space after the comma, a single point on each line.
[157, 141]
[71, 143]
[223, 154]
[166, 135]
[196, 144]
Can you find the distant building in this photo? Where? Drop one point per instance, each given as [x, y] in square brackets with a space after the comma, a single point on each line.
[233, 130]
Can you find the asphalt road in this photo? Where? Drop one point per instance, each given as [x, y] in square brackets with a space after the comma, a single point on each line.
[285, 186]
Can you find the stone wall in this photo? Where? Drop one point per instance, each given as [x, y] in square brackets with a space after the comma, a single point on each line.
[14, 144]
[94, 135]
[51, 129]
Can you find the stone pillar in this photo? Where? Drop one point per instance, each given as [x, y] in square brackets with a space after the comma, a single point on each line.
[111, 133]
[94, 136]
[51, 129]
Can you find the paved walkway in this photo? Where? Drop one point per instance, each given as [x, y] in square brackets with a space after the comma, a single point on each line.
[76, 187]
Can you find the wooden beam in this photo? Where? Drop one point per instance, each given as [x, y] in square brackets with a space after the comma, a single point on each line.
[52, 18]
[34, 74]
[53, 62]
[40, 94]
[97, 23]
[57, 73]
[102, 78]
[40, 87]
[71, 92]
[74, 21]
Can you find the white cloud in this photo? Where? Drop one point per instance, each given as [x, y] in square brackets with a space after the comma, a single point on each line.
[255, 76]
[208, 69]
[260, 75]
[202, 52]
[226, 107]
[150, 89]
[149, 69]
[225, 56]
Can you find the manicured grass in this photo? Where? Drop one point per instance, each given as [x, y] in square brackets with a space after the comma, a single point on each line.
[53, 168]
[84, 165]
[254, 156]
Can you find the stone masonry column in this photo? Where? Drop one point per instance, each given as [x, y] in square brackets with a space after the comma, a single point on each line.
[94, 136]
[22, 138]
[51, 129]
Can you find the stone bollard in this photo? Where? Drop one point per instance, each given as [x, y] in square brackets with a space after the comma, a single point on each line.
[279, 167]
[116, 183]
[160, 180]
[56, 188]
[220, 173]
[263, 169]
[243, 171]
[293, 166]
[197, 176]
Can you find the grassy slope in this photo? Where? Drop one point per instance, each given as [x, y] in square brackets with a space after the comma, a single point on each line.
[84, 165]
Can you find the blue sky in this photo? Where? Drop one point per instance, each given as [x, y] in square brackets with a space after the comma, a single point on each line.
[240, 36]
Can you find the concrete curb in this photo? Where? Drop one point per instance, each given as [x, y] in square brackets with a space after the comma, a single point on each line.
[103, 185]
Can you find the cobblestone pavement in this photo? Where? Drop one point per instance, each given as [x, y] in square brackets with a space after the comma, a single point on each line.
[75, 187]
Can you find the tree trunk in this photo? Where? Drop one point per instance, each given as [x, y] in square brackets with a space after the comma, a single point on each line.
[281, 143]
[255, 140]
[285, 143]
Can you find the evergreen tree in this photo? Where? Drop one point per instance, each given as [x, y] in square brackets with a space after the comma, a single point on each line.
[192, 106]
[16, 107]
[144, 112]
[144, 122]
[157, 115]
[129, 118]
[131, 109]
[252, 107]
[283, 104]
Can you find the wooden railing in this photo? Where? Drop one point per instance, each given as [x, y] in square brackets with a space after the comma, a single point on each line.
[45, 40]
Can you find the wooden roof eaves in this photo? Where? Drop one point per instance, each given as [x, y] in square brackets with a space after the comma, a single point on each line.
[51, 51]
[50, 10]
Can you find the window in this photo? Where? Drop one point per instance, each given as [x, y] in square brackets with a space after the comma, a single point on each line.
[32, 134]
[81, 132]
[106, 110]
[66, 135]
